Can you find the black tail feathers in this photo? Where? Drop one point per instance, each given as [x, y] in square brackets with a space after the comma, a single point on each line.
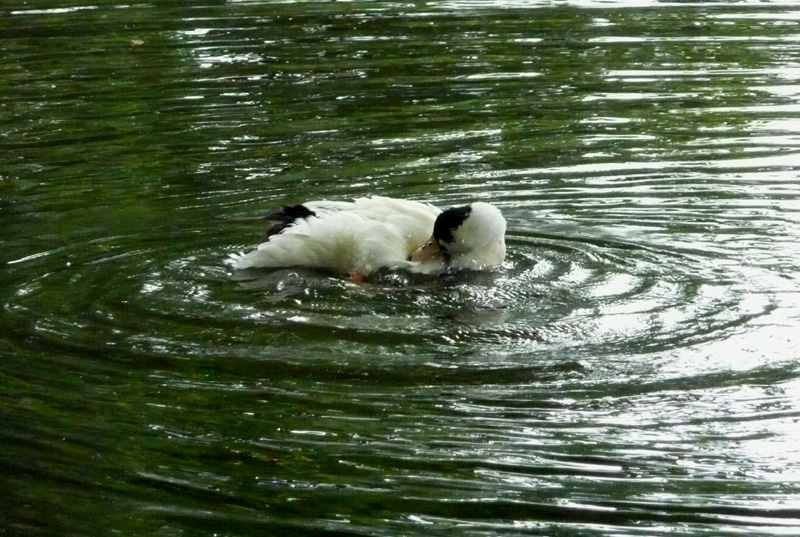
[285, 217]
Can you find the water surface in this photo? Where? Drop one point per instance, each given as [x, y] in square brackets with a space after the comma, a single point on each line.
[631, 370]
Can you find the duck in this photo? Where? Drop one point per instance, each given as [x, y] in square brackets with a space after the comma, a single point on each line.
[356, 238]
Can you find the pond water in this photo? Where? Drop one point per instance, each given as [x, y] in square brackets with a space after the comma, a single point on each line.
[633, 368]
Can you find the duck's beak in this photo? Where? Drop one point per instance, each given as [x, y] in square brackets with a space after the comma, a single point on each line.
[425, 252]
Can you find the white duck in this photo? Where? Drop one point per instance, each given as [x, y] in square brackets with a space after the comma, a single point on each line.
[362, 236]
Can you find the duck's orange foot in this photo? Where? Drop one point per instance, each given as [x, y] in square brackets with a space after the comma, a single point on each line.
[356, 277]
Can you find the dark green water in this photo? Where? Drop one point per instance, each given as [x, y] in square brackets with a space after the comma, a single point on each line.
[632, 370]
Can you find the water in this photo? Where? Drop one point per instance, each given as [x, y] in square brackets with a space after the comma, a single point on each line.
[632, 369]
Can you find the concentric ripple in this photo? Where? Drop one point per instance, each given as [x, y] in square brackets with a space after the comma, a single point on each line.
[559, 294]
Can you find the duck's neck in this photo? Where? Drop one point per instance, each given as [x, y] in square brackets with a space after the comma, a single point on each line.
[489, 255]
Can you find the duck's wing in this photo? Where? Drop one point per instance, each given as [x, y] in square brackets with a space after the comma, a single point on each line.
[377, 207]
[293, 246]
[366, 233]
[343, 242]
[384, 208]
[410, 218]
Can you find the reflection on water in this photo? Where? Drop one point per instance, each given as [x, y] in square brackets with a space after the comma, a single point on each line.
[631, 369]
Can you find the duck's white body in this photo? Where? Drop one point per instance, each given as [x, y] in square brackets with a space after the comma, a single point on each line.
[367, 234]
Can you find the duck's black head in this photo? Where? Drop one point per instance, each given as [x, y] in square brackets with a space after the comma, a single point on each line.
[447, 223]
